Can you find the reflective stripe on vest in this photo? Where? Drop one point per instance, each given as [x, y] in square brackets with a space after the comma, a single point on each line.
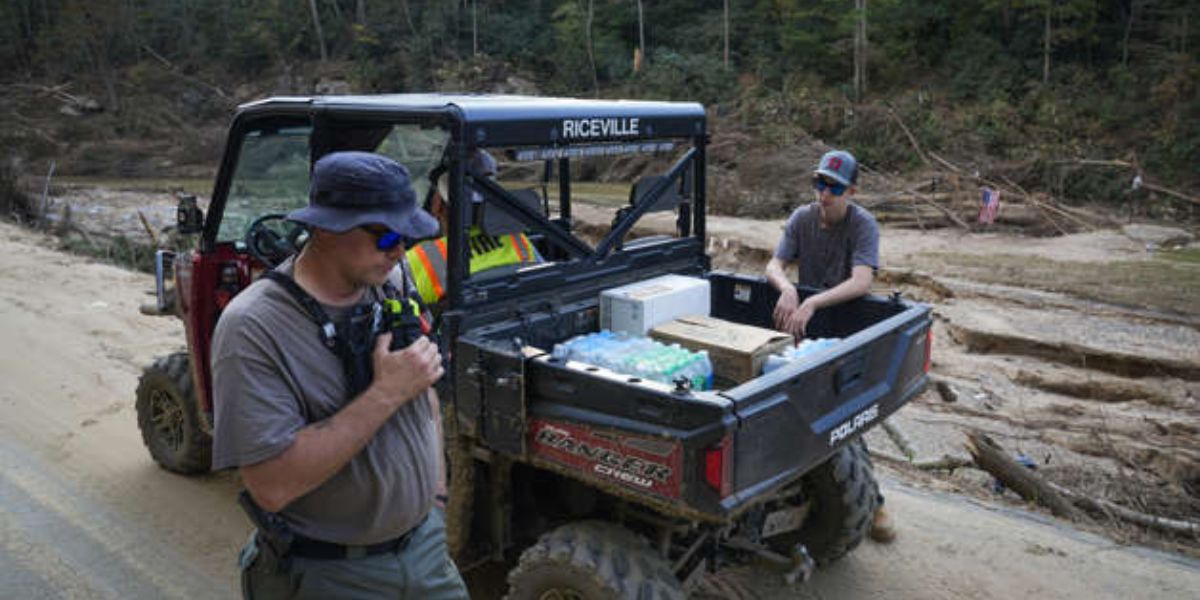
[428, 259]
[428, 267]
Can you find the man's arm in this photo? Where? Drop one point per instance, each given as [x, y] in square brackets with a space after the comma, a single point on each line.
[321, 449]
[859, 284]
[789, 299]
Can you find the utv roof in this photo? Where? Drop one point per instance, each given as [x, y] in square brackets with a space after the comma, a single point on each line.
[492, 120]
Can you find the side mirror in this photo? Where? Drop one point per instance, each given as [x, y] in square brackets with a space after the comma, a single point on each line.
[188, 217]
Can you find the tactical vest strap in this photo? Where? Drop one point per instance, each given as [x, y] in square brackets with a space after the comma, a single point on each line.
[311, 306]
[353, 343]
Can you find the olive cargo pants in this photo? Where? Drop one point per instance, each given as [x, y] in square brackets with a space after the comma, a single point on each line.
[423, 569]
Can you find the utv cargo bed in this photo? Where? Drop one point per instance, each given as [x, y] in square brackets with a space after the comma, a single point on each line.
[663, 442]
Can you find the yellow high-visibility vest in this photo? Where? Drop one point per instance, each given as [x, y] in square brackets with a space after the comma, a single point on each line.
[427, 260]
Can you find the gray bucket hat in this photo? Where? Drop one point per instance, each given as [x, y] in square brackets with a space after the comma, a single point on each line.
[351, 189]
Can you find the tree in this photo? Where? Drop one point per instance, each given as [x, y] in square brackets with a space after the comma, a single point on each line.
[725, 22]
[860, 49]
[641, 37]
[591, 48]
[316, 18]
[1046, 47]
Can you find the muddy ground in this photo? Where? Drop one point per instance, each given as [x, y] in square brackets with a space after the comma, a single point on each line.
[1081, 352]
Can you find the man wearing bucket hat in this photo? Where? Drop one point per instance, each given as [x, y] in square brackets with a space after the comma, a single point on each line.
[834, 244]
[335, 434]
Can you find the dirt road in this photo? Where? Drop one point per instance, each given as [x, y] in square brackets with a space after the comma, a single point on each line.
[86, 514]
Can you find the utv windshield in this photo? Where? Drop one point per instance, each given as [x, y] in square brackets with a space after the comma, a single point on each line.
[601, 179]
[272, 172]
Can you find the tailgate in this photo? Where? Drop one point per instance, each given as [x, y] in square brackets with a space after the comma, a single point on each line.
[793, 418]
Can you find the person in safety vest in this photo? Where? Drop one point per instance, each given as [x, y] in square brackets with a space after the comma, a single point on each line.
[428, 259]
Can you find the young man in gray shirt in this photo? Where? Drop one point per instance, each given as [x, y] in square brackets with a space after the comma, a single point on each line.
[834, 243]
[335, 435]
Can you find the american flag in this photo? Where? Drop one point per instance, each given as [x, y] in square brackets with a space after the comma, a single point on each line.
[989, 205]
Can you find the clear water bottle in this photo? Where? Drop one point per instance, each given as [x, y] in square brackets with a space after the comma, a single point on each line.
[706, 370]
[806, 347]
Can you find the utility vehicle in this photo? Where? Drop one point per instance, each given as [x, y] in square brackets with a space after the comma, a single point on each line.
[598, 485]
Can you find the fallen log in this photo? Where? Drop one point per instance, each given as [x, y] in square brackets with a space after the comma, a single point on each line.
[911, 138]
[1109, 509]
[1170, 192]
[1045, 206]
[990, 457]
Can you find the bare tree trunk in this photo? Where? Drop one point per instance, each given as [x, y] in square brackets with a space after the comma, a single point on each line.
[97, 48]
[360, 12]
[474, 26]
[860, 50]
[591, 51]
[1183, 33]
[1046, 48]
[726, 55]
[1133, 5]
[408, 18]
[641, 30]
[316, 17]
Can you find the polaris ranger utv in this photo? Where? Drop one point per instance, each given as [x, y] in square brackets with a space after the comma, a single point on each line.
[604, 485]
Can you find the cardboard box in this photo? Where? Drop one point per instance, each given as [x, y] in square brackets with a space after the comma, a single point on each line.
[638, 307]
[737, 351]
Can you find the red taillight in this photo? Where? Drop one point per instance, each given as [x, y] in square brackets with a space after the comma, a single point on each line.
[928, 349]
[718, 466]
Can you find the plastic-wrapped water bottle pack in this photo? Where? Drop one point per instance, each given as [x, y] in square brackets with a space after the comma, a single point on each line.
[639, 356]
[806, 347]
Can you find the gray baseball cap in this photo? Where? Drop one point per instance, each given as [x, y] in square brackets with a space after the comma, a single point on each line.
[351, 189]
[839, 166]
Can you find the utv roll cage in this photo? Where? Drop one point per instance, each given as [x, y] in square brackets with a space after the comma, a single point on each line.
[555, 130]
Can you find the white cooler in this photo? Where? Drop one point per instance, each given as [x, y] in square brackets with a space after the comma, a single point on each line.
[637, 307]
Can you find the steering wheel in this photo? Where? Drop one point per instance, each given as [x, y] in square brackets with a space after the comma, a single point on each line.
[271, 238]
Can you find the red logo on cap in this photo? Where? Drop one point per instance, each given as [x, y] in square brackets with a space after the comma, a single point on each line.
[835, 163]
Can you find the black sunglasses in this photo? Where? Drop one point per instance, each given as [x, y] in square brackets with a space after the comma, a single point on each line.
[386, 240]
[821, 184]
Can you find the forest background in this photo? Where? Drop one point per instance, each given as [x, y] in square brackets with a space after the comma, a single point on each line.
[1070, 96]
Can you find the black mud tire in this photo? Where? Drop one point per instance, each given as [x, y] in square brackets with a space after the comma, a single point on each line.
[592, 560]
[844, 495]
[170, 419]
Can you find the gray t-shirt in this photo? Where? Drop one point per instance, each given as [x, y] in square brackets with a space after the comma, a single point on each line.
[271, 378]
[828, 255]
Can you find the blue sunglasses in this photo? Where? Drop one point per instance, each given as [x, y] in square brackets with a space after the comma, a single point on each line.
[820, 184]
[386, 240]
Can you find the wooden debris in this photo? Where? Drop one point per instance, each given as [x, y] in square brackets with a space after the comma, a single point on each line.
[900, 439]
[148, 228]
[1170, 192]
[1123, 164]
[1108, 509]
[990, 457]
[911, 138]
[946, 391]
